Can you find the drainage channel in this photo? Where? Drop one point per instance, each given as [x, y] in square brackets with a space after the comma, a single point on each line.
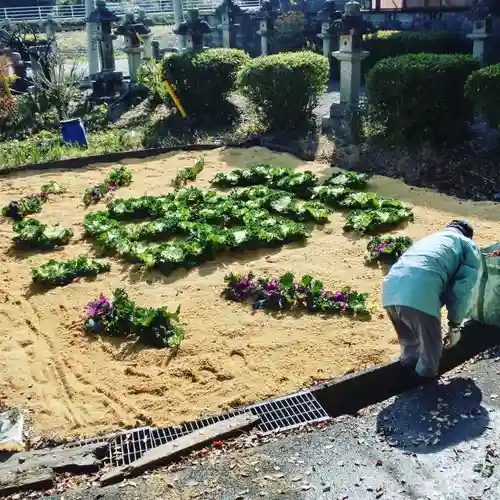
[281, 414]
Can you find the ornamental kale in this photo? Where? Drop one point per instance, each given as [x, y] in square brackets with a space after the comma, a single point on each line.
[387, 248]
[118, 177]
[52, 187]
[156, 327]
[203, 224]
[278, 294]
[239, 287]
[351, 180]
[365, 201]
[189, 174]
[331, 195]
[281, 203]
[18, 209]
[298, 183]
[373, 221]
[275, 294]
[34, 234]
[62, 272]
[32, 204]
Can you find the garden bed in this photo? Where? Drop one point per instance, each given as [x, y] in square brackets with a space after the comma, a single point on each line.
[76, 384]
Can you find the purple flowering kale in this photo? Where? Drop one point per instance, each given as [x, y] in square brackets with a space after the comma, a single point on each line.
[99, 308]
[238, 287]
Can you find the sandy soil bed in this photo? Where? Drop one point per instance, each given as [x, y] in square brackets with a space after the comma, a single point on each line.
[75, 385]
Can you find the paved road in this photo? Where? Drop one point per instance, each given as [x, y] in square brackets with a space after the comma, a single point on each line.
[434, 444]
[121, 65]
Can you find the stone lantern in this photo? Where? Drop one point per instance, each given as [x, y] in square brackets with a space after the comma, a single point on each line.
[147, 38]
[105, 82]
[482, 27]
[193, 30]
[327, 15]
[266, 25]
[350, 27]
[50, 25]
[227, 11]
[133, 33]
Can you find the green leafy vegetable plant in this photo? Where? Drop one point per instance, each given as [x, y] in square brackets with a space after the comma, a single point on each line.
[34, 234]
[285, 293]
[156, 327]
[351, 180]
[189, 174]
[387, 248]
[62, 272]
[366, 200]
[281, 203]
[372, 221]
[202, 223]
[32, 204]
[118, 177]
[52, 187]
[298, 183]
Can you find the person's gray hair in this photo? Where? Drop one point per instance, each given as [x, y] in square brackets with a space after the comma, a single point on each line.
[464, 226]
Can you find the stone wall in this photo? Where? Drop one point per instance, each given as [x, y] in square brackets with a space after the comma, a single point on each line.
[248, 40]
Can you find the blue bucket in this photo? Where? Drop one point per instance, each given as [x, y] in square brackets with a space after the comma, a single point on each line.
[73, 132]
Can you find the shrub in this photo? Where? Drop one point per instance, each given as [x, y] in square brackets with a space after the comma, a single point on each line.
[284, 88]
[482, 89]
[204, 80]
[420, 97]
[389, 43]
[289, 32]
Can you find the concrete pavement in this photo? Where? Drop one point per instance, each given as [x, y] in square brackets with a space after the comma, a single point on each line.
[436, 443]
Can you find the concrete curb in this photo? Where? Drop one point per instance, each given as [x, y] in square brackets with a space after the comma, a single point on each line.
[349, 394]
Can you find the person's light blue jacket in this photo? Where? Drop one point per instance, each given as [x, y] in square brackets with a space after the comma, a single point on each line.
[438, 270]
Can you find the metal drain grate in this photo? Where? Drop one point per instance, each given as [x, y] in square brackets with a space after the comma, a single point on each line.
[276, 414]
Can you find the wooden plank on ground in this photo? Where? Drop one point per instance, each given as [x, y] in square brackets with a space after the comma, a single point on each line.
[31, 480]
[184, 445]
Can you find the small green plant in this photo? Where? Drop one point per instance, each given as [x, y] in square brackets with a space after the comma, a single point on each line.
[121, 317]
[61, 272]
[387, 248]
[31, 234]
[285, 88]
[118, 177]
[189, 174]
[285, 292]
[150, 76]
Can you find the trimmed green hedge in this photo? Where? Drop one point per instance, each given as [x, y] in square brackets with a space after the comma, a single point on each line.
[203, 80]
[285, 88]
[420, 97]
[483, 90]
[389, 43]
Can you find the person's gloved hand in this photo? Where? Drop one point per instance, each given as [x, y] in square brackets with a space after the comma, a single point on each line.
[453, 336]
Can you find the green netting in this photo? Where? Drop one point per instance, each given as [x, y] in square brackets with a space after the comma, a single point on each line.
[486, 294]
